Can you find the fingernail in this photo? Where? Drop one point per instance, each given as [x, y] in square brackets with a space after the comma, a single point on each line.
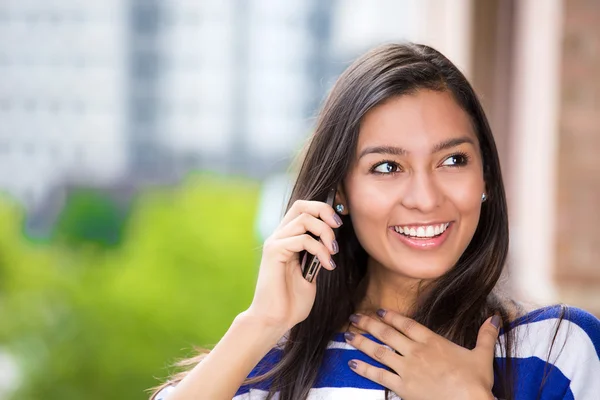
[496, 321]
[381, 312]
[337, 219]
[349, 336]
[335, 246]
[354, 318]
[332, 263]
[352, 364]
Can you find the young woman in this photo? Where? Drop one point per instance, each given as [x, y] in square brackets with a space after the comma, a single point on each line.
[421, 236]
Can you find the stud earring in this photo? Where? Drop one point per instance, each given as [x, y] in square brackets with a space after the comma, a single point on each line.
[339, 208]
[483, 197]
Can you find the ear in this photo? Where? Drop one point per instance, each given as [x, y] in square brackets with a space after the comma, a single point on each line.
[340, 198]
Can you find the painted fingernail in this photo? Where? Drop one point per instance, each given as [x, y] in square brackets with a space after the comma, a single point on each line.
[349, 336]
[335, 246]
[352, 364]
[338, 220]
[354, 318]
[496, 321]
[332, 263]
[381, 312]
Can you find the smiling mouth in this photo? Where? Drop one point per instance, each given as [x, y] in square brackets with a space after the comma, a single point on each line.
[423, 237]
[422, 231]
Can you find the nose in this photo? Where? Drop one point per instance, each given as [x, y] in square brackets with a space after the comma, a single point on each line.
[421, 193]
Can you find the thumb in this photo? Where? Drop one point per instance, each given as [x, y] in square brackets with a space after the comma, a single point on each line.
[488, 335]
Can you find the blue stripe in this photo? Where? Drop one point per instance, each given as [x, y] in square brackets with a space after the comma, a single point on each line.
[529, 374]
[336, 373]
[265, 365]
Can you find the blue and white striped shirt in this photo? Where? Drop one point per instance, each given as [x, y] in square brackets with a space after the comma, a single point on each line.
[570, 368]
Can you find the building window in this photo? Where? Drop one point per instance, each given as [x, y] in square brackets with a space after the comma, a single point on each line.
[30, 105]
[146, 65]
[4, 148]
[28, 149]
[5, 104]
[145, 18]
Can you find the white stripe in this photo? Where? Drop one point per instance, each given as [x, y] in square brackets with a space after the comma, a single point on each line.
[340, 345]
[573, 353]
[346, 346]
[347, 393]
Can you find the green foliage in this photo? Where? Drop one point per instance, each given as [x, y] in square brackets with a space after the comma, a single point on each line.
[90, 217]
[90, 324]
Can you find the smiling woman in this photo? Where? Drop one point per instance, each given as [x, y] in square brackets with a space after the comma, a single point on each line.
[413, 308]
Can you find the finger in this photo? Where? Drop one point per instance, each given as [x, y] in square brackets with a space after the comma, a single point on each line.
[317, 209]
[384, 332]
[378, 375]
[307, 223]
[488, 336]
[408, 327]
[296, 244]
[379, 352]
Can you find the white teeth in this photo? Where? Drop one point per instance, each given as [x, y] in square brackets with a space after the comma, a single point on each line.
[422, 231]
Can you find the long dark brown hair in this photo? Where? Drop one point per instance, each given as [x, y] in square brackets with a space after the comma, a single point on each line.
[457, 303]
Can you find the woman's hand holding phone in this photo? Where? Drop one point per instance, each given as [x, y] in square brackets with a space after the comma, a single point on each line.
[283, 297]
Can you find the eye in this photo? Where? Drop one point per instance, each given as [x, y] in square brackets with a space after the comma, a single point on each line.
[456, 160]
[386, 167]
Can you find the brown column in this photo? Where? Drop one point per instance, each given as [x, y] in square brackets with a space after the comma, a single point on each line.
[578, 169]
[493, 28]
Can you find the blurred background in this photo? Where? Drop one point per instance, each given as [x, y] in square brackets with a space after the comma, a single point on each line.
[145, 147]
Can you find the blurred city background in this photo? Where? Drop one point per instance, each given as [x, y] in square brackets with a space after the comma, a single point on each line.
[145, 150]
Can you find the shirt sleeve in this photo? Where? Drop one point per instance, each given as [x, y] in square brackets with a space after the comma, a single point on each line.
[250, 395]
[581, 355]
[164, 393]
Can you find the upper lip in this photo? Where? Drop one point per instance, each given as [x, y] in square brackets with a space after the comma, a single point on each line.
[413, 224]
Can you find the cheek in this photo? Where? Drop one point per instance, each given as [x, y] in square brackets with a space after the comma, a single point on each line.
[370, 207]
[369, 210]
[465, 194]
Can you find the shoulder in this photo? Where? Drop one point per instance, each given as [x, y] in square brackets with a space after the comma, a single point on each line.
[265, 365]
[245, 395]
[566, 339]
[257, 390]
[571, 324]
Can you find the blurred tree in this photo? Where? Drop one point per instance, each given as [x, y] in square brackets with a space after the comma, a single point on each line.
[90, 217]
[106, 325]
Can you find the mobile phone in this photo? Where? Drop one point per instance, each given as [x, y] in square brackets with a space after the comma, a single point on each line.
[310, 263]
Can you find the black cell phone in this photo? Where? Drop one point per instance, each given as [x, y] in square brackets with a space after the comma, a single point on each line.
[310, 263]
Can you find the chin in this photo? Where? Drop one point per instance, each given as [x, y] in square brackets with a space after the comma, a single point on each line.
[423, 271]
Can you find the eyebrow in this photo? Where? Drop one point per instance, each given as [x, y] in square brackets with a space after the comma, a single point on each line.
[399, 151]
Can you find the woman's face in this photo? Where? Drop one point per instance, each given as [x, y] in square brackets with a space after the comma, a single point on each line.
[414, 190]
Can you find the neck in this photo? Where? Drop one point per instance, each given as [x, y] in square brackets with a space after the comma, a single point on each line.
[388, 290]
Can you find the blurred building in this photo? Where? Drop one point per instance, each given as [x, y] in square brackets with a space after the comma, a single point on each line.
[238, 81]
[122, 93]
[61, 95]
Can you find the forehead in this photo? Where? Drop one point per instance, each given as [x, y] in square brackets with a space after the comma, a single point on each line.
[415, 122]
